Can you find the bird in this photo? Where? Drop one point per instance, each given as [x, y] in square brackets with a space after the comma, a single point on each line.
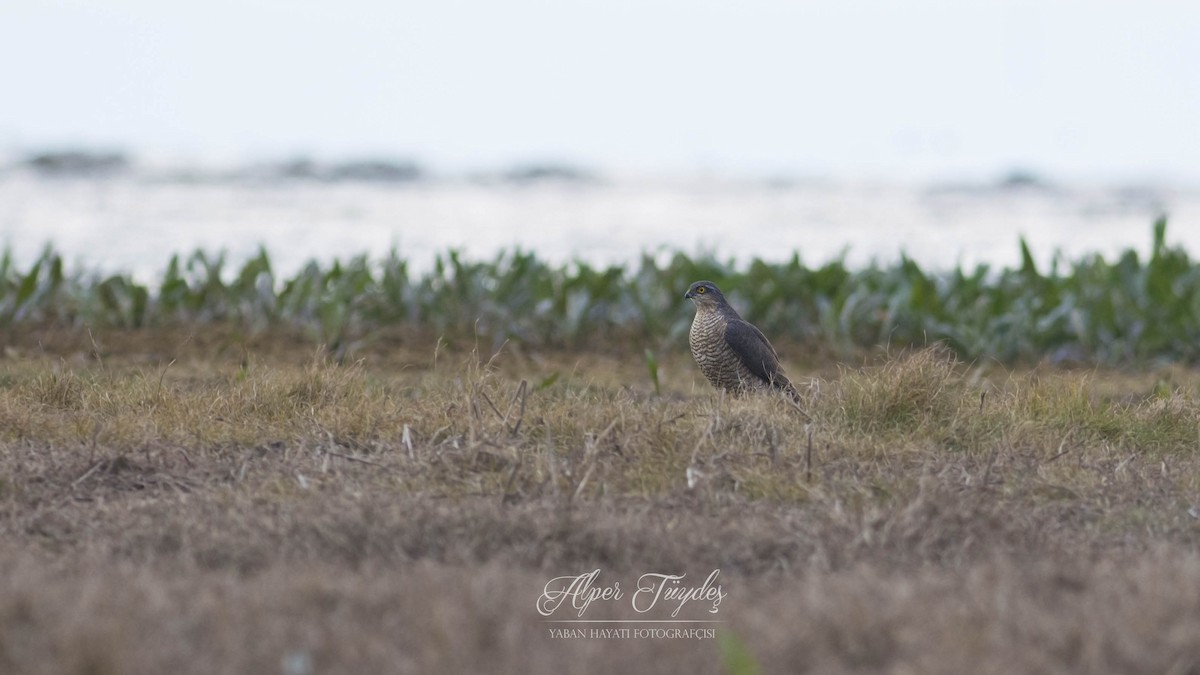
[732, 353]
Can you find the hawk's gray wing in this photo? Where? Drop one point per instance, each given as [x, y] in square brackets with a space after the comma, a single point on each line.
[752, 348]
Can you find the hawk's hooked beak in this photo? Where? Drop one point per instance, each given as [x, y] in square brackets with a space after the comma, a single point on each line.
[687, 296]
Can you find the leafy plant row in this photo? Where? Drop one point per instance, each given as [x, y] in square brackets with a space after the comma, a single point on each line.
[1092, 309]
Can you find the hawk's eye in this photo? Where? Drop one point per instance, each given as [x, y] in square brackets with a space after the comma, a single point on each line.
[702, 290]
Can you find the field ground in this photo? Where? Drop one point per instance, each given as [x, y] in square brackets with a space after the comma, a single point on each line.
[190, 504]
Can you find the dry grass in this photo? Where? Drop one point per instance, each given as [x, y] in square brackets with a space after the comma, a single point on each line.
[181, 506]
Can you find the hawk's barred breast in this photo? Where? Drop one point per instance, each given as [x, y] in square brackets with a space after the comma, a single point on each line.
[716, 358]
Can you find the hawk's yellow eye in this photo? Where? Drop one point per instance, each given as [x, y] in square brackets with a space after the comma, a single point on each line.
[701, 290]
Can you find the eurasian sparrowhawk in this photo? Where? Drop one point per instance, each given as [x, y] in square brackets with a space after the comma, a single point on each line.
[731, 352]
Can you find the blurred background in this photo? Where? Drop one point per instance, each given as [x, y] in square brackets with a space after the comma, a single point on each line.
[132, 129]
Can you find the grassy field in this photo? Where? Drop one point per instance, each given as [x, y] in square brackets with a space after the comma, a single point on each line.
[203, 502]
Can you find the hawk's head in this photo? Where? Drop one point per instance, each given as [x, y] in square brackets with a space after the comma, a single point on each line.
[705, 293]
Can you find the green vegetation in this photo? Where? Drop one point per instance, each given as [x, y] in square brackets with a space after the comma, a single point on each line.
[736, 658]
[1091, 310]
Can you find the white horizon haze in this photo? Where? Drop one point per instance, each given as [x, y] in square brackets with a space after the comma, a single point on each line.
[867, 88]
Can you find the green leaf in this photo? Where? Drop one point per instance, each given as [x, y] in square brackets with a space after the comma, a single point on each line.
[736, 659]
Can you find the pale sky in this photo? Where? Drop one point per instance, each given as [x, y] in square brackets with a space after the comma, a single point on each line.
[874, 88]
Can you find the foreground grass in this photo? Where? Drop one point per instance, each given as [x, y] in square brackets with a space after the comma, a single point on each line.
[200, 510]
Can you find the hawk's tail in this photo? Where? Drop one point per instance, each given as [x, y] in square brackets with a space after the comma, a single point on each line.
[788, 388]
